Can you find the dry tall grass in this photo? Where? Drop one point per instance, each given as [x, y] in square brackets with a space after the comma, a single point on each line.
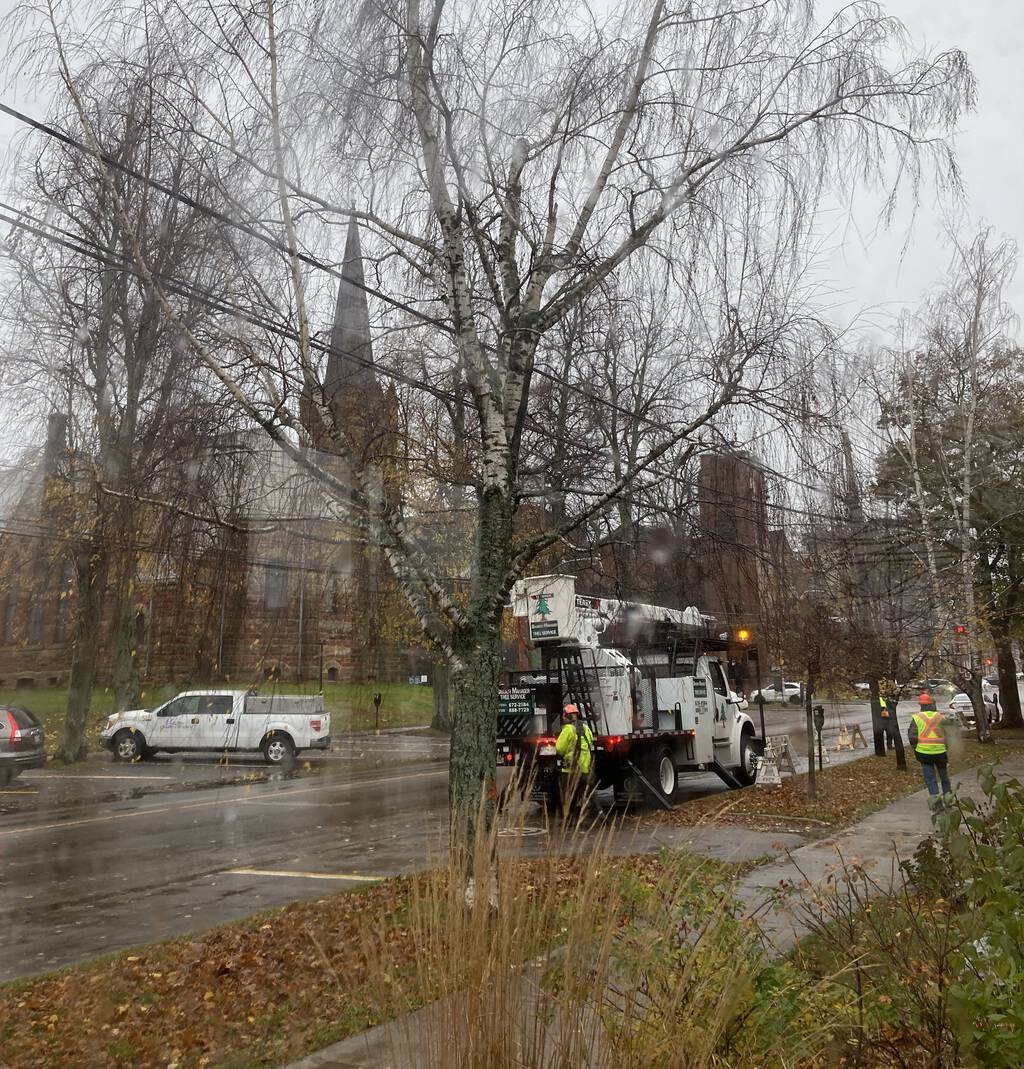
[591, 960]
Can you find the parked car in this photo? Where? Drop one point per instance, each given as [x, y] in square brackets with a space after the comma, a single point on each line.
[278, 726]
[21, 743]
[790, 693]
[862, 687]
[961, 709]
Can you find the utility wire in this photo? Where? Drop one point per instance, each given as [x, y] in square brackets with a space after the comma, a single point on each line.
[306, 258]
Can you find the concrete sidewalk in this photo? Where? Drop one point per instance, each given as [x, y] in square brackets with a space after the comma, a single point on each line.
[878, 843]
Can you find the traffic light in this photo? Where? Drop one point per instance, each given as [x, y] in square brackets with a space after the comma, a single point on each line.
[743, 635]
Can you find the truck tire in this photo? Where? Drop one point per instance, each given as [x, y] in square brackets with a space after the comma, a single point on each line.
[278, 749]
[660, 772]
[747, 771]
[629, 790]
[128, 745]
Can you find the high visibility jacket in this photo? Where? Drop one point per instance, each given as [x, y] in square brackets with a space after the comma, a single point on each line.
[884, 708]
[931, 738]
[575, 746]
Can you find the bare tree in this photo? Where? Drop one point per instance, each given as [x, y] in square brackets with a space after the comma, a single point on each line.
[939, 421]
[508, 161]
[137, 406]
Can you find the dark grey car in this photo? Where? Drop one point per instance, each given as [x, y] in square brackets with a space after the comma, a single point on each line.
[21, 743]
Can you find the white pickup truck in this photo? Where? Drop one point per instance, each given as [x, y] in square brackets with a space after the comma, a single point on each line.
[279, 726]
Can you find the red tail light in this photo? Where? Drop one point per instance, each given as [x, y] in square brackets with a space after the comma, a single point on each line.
[315, 724]
[612, 741]
[15, 730]
[546, 740]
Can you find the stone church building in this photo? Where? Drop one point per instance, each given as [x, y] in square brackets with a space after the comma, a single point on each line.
[279, 588]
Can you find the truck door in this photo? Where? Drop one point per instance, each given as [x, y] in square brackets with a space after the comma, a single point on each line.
[217, 726]
[723, 710]
[173, 727]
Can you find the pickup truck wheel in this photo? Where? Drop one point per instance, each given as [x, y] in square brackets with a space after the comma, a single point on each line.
[278, 749]
[128, 745]
[660, 773]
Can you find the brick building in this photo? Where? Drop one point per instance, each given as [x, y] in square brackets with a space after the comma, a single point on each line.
[279, 588]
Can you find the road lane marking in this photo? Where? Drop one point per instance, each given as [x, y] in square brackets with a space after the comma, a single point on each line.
[5, 793]
[67, 775]
[223, 802]
[309, 804]
[305, 875]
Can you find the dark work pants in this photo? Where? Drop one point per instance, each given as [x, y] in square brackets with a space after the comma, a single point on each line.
[933, 771]
[889, 730]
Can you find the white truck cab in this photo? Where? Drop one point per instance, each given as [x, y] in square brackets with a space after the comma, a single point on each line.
[278, 726]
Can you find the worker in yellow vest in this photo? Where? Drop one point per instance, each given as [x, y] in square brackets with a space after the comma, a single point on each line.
[575, 746]
[927, 738]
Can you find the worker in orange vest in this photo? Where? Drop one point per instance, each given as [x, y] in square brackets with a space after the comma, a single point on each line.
[927, 738]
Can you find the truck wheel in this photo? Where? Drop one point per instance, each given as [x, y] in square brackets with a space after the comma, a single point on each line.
[7, 776]
[128, 745]
[628, 790]
[660, 772]
[747, 771]
[278, 749]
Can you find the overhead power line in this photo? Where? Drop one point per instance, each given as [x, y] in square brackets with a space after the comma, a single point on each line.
[306, 258]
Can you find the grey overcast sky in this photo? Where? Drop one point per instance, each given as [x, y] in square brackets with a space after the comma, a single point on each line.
[874, 273]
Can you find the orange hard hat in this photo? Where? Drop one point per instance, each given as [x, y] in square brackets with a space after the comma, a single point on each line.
[924, 698]
[570, 709]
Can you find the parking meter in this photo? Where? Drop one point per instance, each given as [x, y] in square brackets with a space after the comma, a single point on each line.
[819, 723]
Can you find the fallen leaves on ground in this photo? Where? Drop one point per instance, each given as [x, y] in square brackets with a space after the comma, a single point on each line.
[259, 992]
[846, 792]
[254, 993]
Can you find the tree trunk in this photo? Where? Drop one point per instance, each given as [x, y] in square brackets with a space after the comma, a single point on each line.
[475, 730]
[90, 571]
[812, 776]
[478, 647]
[876, 718]
[441, 719]
[1009, 696]
[125, 666]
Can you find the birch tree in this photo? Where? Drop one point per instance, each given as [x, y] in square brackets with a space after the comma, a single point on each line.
[505, 162]
[951, 435]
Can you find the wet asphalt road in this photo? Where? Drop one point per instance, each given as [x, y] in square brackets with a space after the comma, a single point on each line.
[109, 856]
[81, 879]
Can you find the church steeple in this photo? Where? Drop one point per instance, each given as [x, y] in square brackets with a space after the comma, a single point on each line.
[350, 361]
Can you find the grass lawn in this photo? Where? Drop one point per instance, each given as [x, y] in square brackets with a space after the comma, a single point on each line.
[350, 704]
